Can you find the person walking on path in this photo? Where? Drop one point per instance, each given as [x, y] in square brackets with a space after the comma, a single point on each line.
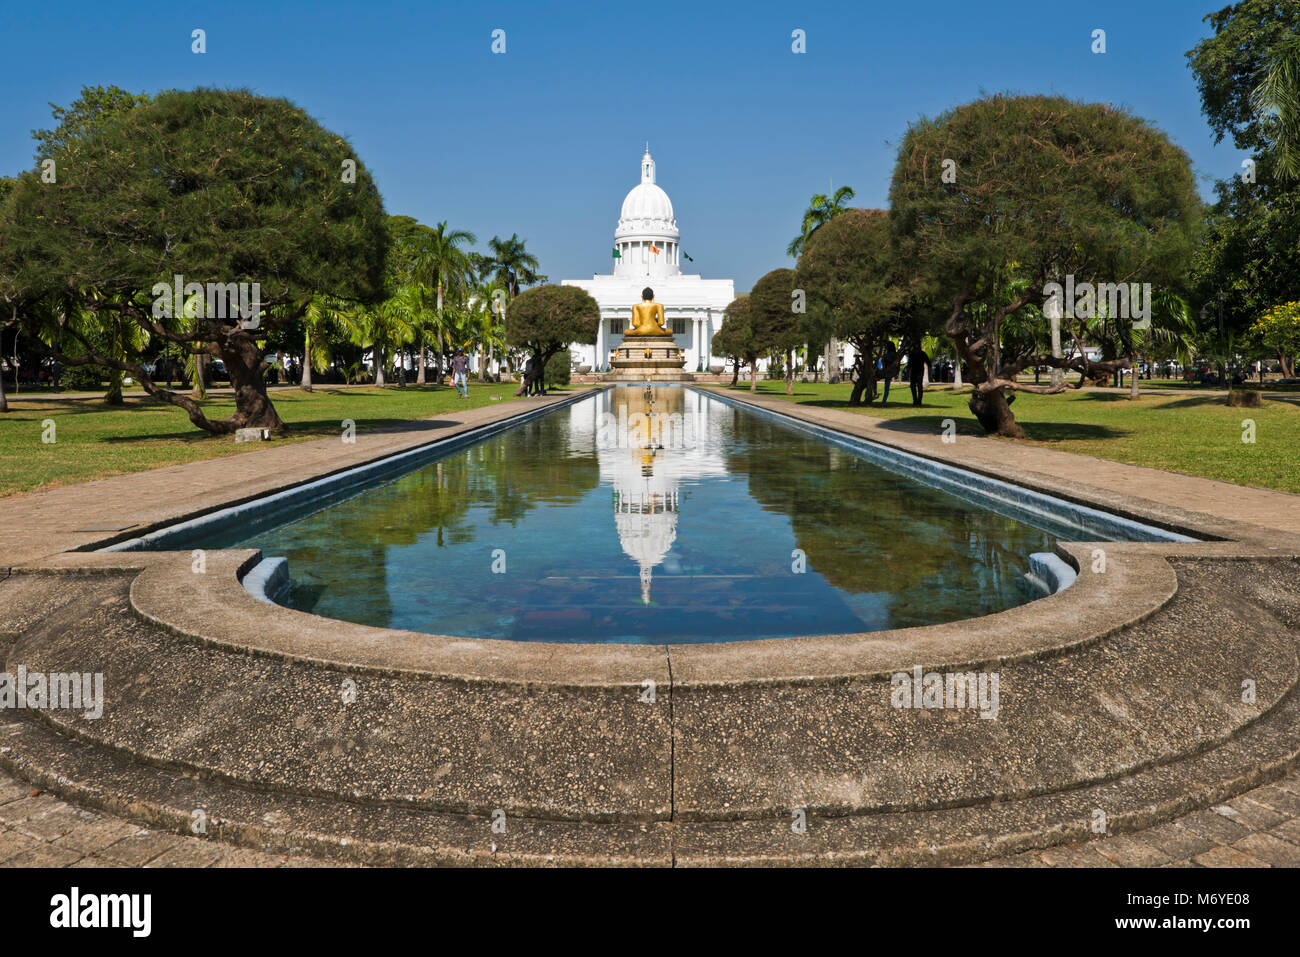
[460, 373]
[917, 361]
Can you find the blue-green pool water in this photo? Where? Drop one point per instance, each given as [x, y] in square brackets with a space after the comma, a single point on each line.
[573, 527]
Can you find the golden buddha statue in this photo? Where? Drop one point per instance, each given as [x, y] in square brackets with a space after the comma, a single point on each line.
[647, 317]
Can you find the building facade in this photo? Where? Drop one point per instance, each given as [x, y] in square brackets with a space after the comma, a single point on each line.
[647, 252]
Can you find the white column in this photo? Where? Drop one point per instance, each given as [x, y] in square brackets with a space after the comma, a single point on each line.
[600, 344]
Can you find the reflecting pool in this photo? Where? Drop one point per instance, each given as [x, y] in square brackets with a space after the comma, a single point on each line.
[656, 516]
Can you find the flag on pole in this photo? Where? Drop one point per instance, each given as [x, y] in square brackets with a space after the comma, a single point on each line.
[654, 249]
[687, 257]
[617, 254]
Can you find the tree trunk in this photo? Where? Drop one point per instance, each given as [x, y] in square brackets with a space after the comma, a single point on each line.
[420, 377]
[253, 408]
[401, 368]
[4, 400]
[993, 409]
[789, 372]
[379, 367]
[1133, 388]
[735, 372]
[860, 380]
[306, 362]
[114, 394]
[201, 376]
[956, 373]
[753, 375]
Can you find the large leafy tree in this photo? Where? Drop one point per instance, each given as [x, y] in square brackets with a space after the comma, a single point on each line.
[216, 186]
[1252, 39]
[1250, 260]
[545, 319]
[93, 109]
[1042, 189]
[738, 339]
[775, 322]
[1278, 99]
[857, 288]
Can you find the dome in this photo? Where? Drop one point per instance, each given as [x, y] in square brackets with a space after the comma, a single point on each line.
[647, 201]
[647, 210]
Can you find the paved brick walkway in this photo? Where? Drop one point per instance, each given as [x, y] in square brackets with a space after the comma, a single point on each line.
[1261, 828]
[39, 830]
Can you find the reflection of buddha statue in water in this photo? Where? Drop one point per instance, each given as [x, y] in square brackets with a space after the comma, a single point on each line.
[647, 316]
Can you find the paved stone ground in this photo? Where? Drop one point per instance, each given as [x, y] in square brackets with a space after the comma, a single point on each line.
[39, 830]
[1259, 829]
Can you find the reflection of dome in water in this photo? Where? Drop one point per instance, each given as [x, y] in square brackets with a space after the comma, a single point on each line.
[647, 483]
[647, 526]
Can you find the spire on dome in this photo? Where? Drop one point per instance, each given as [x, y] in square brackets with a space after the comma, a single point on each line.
[647, 165]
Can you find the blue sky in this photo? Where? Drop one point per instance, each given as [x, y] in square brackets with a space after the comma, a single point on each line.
[545, 140]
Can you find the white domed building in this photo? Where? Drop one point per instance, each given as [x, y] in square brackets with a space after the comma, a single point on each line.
[647, 252]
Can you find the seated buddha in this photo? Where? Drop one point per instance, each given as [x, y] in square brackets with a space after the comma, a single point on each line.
[647, 316]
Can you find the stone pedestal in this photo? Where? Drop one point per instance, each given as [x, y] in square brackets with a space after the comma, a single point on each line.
[648, 359]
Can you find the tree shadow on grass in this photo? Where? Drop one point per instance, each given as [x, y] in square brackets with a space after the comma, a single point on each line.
[307, 429]
[1035, 431]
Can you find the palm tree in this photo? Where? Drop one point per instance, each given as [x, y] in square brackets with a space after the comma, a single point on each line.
[512, 265]
[821, 210]
[489, 316]
[385, 328]
[444, 266]
[324, 314]
[1278, 96]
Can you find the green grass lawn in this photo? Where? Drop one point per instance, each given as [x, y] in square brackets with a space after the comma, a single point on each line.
[94, 440]
[1194, 434]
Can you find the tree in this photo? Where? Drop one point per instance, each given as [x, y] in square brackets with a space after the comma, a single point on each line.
[323, 318]
[857, 290]
[84, 118]
[512, 265]
[546, 319]
[776, 324]
[447, 267]
[219, 188]
[1252, 38]
[488, 309]
[1250, 259]
[1044, 191]
[821, 210]
[1278, 98]
[738, 339]
[1279, 330]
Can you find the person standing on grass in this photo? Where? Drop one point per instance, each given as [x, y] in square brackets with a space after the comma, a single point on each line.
[460, 373]
[917, 361]
[887, 362]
